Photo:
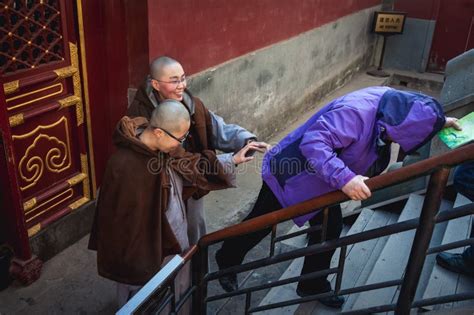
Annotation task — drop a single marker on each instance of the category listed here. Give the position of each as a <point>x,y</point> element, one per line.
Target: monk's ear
<point>155,84</point>
<point>158,132</point>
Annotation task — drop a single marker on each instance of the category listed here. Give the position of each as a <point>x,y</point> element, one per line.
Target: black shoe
<point>333,301</point>
<point>455,263</point>
<point>229,281</point>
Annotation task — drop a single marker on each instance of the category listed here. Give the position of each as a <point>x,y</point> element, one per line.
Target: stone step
<point>454,311</point>
<point>370,257</point>
<point>430,261</point>
<point>390,265</point>
<point>465,284</point>
<point>368,219</point>
<point>444,282</point>
<point>358,258</point>
<point>288,291</point>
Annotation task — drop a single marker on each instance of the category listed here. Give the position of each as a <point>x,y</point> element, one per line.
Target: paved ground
<point>69,283</point>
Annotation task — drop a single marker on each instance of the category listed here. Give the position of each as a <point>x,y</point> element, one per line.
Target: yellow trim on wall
<point>36,99</point>
<point>11,87</point>
<point>82,45</point>
<point>69,193</point>
<point>16,120</point>
<point>34,229</point>
<point>36,163</point>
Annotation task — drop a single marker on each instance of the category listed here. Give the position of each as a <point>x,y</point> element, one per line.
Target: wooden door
<point>40,68</point>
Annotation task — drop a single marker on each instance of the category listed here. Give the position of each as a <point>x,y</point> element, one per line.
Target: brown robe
<point>130,232</point>
<point>200,132</point>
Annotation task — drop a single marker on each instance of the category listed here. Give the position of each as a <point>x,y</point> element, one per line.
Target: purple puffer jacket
<point>343,139</point>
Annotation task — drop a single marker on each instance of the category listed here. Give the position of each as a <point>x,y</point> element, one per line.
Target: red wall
<point>419,9</point>
<point>107,73</point>
<point>122,37</point>
<point>137,40</point>
<point>204,33</point>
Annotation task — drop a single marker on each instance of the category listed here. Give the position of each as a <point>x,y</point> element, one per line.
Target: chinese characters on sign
<point>389,22</point>
<point>386,24</point>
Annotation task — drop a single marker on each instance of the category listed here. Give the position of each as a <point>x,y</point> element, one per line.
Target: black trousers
<point>234,250</point>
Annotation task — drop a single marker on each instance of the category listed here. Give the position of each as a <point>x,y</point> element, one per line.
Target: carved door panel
<point>39,65</point>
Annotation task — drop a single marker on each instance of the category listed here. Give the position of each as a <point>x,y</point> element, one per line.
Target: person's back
<point>347,123</point>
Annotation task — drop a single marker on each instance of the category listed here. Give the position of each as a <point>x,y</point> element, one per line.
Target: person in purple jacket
<point>343,144</point>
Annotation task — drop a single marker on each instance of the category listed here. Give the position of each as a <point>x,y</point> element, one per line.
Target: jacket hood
<point>126,133</point>
<point>409,119</point>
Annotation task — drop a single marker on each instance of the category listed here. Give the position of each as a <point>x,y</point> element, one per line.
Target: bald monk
<point>140,217</point>
<point>208,131</point>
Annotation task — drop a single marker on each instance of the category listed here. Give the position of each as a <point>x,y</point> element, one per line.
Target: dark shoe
<point>333,301</point>
<point>455,263</point>
<point>229,281</point>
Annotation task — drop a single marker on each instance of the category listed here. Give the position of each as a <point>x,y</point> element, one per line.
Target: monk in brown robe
<point>140,217</point>
<point>208,131</point>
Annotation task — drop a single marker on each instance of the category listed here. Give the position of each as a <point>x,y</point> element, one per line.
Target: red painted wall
<point>454,32</point>
<point>108,77</point>
<point>419,9</point>
<point>122,37</point>
<point>137,40</point>
<point>204,33</point>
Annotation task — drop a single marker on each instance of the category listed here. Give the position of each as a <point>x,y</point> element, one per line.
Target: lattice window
<point>30,33</point>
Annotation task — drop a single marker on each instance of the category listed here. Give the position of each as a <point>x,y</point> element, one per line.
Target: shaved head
<point>170,115</point>
<point>159,64</point>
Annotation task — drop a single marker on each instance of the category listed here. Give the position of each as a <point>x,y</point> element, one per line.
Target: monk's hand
<point>452,122</point>
<point>246,153</point>
<point>356,189</point>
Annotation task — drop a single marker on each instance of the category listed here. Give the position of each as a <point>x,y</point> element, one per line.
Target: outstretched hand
<point>356,189</point>
<point>240,157</point>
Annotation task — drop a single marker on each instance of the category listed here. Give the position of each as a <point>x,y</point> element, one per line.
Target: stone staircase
<point>443,282</point>
<point>382,259</point>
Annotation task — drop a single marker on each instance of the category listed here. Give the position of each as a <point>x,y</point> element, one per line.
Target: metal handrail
<point>162,279</point>
<point>398,176</point>
<point>437,167</point>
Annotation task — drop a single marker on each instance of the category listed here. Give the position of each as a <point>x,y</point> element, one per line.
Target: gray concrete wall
<point>265,90</point>
<point>410,50</point>
<point>459,82</point>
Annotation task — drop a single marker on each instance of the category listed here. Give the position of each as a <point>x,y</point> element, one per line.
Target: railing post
<point>200,269</point>
<point>324,229</point>
<point>422,240</point>
<point>272,242</point>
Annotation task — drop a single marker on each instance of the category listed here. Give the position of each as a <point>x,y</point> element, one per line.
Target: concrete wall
<point>459,78</point>
<point>410,50</point>
<point>266,89</point>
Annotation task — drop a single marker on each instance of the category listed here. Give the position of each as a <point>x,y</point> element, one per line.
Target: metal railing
<point>159,291</point>
<point>437,167</point>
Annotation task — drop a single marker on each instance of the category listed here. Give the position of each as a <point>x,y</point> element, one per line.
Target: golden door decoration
<point>40,64</point>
